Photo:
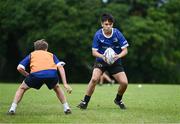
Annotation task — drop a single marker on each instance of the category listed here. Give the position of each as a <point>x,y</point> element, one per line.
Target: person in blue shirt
<point>43,70</point>
<point>104,38</point>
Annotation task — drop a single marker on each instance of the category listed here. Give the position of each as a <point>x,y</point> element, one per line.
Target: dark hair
<point>107,17</point>
<point>41,45</point>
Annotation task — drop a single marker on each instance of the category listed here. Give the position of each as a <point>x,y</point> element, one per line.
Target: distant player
<point>104,38</point>
<point>105,77</point>
<point>43,69</point>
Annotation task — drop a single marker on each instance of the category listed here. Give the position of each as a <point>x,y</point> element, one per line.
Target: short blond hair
<point>41,45</point>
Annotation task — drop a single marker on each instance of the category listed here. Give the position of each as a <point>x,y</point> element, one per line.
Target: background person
<point>105,77</point>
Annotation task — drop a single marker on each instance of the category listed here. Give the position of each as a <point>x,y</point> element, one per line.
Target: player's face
<point>107,26</point>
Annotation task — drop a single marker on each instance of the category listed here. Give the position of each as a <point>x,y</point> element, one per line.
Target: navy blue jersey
<point>116,41</point>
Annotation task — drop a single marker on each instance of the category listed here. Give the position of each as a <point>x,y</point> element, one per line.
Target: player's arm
<point>95,53</point>
<point>123,44</point>
<point>62,73</point>
<point>22,71</point>
<point>63,78</point>
<point>22,66</point>
<point>123,53</point>
<point>95,47</point>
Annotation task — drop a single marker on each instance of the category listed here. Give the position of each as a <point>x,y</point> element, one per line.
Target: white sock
<point>13,107</point>
<point>66,106</point>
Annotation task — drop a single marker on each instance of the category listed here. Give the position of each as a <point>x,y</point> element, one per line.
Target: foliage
<point>151,29</point>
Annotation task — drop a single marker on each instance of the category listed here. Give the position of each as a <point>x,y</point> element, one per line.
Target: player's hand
<point>68,88</point>
<point>104,58</point>
<point>116,57</point>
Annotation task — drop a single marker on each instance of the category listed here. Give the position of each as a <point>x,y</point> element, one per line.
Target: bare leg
<point>18,96</point>
<point>60,94</point>
<point>101,80</point>
<point>20,92</point>
<point>123,82</point>
<point>90,89</point>
<point>94,79</point>
<point>106,77</point>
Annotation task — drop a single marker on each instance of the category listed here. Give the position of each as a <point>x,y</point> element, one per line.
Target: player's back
<point>42,60</point>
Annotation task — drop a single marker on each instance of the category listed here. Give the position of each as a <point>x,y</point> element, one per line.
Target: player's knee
<point>94,79</point>
<point>22,89</point>
<point>56,87</point>
<point>124,83</point>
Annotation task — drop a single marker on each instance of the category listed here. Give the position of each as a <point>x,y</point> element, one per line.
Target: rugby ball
<point>109,54</point>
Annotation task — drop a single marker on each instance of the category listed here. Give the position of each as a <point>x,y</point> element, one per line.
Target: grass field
<point>148,104</point>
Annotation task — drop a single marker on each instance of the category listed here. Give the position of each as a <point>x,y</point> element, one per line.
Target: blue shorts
<point>36,82</point>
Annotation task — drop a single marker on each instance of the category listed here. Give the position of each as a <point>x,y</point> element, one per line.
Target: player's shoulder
<point>116,30</point>
<point>41,53</point>
<point>49,53</point>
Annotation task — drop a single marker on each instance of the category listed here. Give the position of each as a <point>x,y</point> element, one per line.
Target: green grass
<point>149,104</point>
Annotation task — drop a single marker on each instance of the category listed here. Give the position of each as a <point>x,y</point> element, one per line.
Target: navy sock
<point>87,98</point>
<point>118,97</point>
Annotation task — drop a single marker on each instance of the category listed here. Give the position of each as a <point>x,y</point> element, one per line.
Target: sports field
<point>148,104</point>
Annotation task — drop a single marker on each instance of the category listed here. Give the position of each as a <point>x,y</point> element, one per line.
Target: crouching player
<point>43,69</point>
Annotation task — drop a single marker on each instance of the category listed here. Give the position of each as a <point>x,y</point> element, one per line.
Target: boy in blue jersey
<point>104,38</point>
<point>43,69</point>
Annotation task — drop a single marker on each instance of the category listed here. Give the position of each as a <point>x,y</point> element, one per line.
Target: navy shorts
<point>35,82</point>
<point>112,69</point>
